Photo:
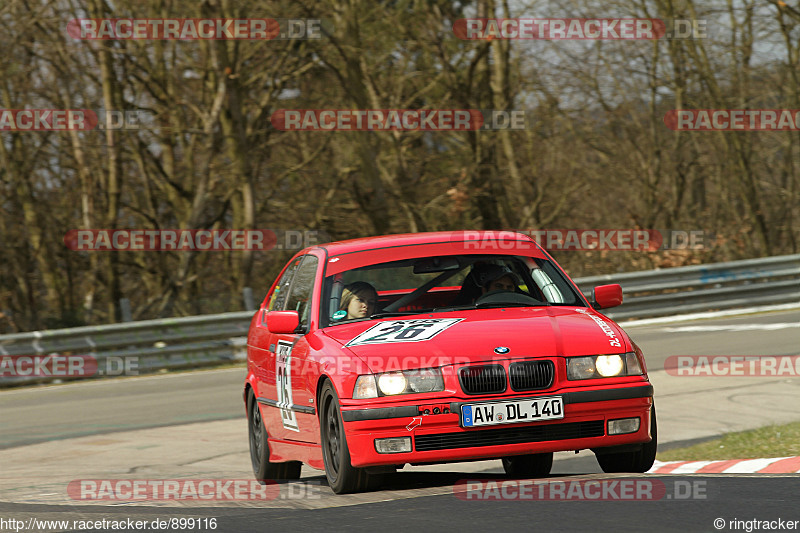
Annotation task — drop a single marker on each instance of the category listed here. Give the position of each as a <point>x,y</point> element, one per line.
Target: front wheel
<point>259,449</point>
<point>533,465</point>
<point>640,461</point>
<point>342,476</point>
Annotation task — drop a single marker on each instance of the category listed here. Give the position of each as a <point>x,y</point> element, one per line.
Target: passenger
<point>359,300</point>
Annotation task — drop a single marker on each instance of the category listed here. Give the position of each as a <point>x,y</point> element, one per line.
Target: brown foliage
<point>596,153</point>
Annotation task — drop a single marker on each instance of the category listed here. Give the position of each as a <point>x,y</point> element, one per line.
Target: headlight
<point>399,382</point>
<point>609,365</point>
<point>603,366</point>
<point>425,380</point>
<point>580,367</point>
<point>392,383</point>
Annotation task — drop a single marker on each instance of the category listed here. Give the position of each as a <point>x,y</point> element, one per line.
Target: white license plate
<point>528,410</point>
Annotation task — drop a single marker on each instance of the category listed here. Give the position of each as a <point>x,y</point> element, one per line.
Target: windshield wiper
<point>485,305</point>
<point>384,314</point>
<point>448,308</point>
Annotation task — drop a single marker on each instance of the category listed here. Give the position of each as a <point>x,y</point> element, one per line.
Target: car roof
<point>415,239</point>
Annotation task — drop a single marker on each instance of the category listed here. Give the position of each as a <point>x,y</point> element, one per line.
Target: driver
<point>497,278</point>
<point>359,300</point>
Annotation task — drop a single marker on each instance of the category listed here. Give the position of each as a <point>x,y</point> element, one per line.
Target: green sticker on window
<point>338,315</point>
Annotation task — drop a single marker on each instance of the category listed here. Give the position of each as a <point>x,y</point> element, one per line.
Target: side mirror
<point>283,322</point>
<point>605,296</point>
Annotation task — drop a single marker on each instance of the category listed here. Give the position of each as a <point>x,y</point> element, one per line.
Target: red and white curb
<point>776,465</point>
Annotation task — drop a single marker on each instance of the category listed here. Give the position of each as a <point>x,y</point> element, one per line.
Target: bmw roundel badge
<point>502,350</point>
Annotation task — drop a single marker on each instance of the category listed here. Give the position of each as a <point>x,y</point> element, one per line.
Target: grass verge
<point>769,441</point>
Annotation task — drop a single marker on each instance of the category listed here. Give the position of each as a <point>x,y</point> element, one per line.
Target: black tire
<point>259,449</point>
<point>533,465</point>
<point>634,462</point>
<point>342,476</point>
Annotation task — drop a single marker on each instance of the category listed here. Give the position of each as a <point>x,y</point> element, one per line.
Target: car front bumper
<point>441,438</point>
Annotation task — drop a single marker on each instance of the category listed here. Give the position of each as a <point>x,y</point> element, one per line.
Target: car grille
<point>486,379</point>
<point>531,375</point>
<point>510,435</point>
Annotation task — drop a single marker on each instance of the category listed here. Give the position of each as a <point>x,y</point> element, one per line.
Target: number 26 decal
<point>412,330</point>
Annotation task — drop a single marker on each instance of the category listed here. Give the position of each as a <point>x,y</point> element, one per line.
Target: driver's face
<point>504,283</point>
<point>361,306</point>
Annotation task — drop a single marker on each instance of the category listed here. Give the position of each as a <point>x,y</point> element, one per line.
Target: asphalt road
<point>708,498</point>
<point>45,413</point>
<point>758,334</point>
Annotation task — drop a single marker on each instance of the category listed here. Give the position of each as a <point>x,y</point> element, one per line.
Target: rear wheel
<point>533,465</point>
<point>640,461</point>
<point>259,449</point>
<point>342,476</point>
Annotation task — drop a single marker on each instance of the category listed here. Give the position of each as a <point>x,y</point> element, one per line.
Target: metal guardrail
<point>166,343</point>
<point>213,339</point>
<point>772,280</point>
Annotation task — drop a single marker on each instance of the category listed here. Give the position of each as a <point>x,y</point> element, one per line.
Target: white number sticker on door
<point>413,330</point>
<point>283,376</point>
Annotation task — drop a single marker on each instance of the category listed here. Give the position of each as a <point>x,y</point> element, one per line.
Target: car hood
<point>474,336</point>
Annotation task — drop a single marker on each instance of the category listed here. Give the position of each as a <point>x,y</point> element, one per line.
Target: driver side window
<point>302,289</point>
<point>278,299</point>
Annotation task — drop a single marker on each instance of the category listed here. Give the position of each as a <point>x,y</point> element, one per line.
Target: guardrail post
<point>247,297</point>
<point>125,310</point>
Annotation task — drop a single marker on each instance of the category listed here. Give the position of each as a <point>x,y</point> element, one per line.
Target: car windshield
<point>443,284</point>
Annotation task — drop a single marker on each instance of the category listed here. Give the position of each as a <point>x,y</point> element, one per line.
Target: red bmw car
<point>370,354</point>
